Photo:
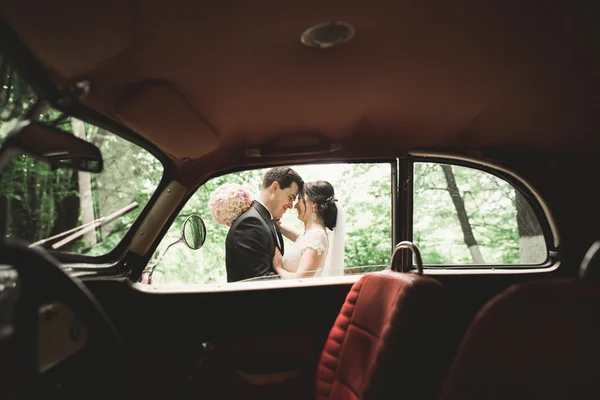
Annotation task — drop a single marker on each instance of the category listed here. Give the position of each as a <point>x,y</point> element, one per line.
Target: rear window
<point>466,216</point>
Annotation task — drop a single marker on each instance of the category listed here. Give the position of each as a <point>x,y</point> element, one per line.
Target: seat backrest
<point>538,340</point>
<point>392,338</point>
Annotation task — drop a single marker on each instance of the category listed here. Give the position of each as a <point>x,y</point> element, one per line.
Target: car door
<point>263,339</point>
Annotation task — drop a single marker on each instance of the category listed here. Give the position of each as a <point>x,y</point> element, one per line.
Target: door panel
<point>276,365</point>
<point>263,333</point>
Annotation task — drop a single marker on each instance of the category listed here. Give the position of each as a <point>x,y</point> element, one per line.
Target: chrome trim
<point>411,246</point>
<point>165,289</point>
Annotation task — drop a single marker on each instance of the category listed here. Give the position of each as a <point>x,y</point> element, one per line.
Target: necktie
<point>276,231</point>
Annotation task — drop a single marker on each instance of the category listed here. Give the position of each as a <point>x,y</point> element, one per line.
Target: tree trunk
<point>532,248</point>
<point>461,212</point>
<point>67,211</point>
<point>86,203</point>
<point>34,209</point>
<point>4,215</point>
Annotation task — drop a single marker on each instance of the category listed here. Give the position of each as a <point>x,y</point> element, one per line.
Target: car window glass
<point>363,189</point>
<point>65,210</point>
<point>38,203</point>
<point>465,216</point>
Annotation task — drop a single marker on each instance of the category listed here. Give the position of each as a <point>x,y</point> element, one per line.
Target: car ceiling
<point>200,78</point>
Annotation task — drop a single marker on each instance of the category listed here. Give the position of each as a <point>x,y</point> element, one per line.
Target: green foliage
<point>34,189</point>
<point>37,202</point>
<point>491,211</point>
<point>366,193</point>
<point>206,265</point>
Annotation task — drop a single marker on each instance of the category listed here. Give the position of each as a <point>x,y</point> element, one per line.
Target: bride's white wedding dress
<point>313,238</point>
<point>331,244</point>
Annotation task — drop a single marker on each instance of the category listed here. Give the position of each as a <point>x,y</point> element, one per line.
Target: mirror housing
<point>193,232</point>
<point>60,149</point>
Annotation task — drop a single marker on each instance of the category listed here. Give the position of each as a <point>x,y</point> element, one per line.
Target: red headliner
<point>194,77</point>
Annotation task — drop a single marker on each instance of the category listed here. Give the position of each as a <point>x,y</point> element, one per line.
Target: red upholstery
<point>533,341</point>
<point>392,332</point>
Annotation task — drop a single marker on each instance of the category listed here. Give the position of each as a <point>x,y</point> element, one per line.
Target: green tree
<point>37,202</point>
<point>461,213</point>
<point>480,211</point>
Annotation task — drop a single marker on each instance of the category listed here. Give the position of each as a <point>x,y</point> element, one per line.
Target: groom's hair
<point>284,175</point>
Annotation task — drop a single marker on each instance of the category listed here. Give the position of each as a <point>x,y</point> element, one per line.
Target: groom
<point>253,236</point>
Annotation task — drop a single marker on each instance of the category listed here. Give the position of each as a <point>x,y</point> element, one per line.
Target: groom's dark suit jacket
<point>250,244</point>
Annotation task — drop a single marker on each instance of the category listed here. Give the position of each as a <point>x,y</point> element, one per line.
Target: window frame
<point>393,162</point>
<point>401,220</point>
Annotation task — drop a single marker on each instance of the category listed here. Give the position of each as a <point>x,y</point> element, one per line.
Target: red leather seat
<point>392,339</point>
<point>533,341</point>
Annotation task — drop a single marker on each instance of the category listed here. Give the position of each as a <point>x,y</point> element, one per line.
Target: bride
<point>314,252</point>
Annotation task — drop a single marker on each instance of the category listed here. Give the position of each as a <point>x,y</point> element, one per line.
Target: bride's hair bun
<point>322,194</point>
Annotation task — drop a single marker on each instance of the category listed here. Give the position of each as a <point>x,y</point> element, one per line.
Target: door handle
<point>207,347</point>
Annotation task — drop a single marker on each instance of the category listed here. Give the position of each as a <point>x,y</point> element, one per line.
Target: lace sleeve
<point>316,240</point>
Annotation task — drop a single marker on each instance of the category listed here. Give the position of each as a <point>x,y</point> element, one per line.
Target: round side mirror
<point>194,232</point>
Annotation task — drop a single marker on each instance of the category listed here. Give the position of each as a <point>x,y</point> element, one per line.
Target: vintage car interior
<point>466,122</point>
